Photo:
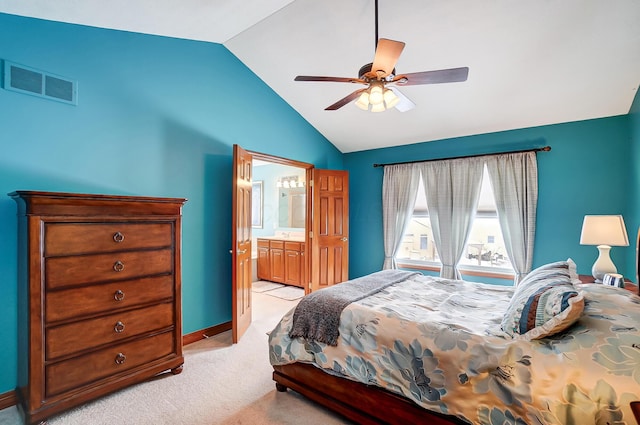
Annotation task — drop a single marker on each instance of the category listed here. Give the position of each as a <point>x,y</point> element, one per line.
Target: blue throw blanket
<point>317,316</point>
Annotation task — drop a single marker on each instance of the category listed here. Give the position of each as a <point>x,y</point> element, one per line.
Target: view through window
<point>485,248</point>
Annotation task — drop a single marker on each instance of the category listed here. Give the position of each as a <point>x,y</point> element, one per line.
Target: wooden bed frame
<point>364,404</point>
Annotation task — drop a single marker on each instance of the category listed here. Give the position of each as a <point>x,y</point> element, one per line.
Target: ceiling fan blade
<point>339,104</point>
<point>453,75</point>
<point>405,104</point>
<point>329,79</point>
<point>387,54</point>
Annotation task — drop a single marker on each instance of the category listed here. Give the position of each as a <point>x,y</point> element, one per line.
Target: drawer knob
<point>118,295</point>
<point>118,237</point>
<point>118,266</point>
<point>120,358</point>
<point>119,327</point>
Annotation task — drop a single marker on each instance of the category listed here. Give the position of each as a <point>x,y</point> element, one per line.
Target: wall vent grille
<point>23,79</point>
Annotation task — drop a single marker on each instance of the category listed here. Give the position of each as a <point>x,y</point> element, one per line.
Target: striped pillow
<point>545,302</point>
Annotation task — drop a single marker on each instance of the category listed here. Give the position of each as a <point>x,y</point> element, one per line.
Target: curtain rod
<point>543,149</point>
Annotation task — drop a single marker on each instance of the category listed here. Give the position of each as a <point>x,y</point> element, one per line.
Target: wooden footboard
<point>364,404</point>
<point>635,408</point>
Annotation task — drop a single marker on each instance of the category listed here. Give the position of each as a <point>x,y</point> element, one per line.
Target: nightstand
<point>628,285</point>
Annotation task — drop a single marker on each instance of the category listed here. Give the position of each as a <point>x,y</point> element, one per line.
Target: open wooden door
<point>330,228</point>
<point>241,237</point>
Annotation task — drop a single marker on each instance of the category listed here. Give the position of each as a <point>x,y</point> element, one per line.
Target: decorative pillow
<point>545,302</point>
<point>565,268</point>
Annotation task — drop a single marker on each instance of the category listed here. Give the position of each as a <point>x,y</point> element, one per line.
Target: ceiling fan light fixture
<point>382,71</point>
<point>378,107</point>
<point>376,96</point>
<point>390,98</point>
<point>363,101</point>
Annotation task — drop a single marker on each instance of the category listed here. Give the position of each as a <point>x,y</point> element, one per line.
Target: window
<point>485,250</point>
<point>424,241</point>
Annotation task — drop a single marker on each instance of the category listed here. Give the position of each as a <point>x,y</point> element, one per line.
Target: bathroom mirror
<point>292,207</point>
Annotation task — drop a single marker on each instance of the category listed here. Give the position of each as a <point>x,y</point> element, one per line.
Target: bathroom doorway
<point>279,215</point>
<point>325,233</point>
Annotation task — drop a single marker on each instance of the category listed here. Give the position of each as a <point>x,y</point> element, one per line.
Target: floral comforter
<point>438,342</point>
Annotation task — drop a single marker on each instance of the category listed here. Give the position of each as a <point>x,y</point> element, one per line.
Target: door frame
<point>309,220</point>
<point>308,207</point>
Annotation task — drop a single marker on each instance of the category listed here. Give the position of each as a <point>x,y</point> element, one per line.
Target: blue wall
<point>587,171</point>
<point>156,117</point>
<point>633,226</point>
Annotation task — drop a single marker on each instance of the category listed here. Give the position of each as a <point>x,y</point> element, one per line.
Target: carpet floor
<point>222,383</point>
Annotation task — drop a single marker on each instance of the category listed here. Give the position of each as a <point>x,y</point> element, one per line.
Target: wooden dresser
<point>99,296</point>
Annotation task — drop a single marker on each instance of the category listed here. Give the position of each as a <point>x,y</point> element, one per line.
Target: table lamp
<point>604,231</point>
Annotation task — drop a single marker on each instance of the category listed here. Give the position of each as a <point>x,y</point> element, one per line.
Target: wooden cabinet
<point>276,261</point>
<point>293,265</point>
<point>264,266</point>
<point>99,296</point>
<point>281,261</point>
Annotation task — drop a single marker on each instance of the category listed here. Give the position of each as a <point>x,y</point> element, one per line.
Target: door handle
<point>344,239</point>
<point>240,251</point>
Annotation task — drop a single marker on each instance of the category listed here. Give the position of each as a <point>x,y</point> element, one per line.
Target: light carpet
<point>222,383</point>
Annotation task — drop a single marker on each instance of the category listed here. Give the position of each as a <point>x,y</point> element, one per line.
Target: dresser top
<point>60,203</point>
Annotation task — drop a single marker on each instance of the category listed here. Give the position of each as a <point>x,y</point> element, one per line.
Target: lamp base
<point>603,264</point>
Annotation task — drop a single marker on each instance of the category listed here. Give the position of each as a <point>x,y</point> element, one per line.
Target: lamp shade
<point>375,95</point>
<point>604,230</point>
<point>390,98</point>
<point>363,101</point>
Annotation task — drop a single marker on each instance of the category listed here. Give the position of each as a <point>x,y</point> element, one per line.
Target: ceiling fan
<point>381,79</point>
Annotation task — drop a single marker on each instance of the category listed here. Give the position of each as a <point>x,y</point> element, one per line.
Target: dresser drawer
<point>81,302</point>
<point>83,238</point>
<point>77,270</point>
<point>120,358</point>
<point>83,335</point>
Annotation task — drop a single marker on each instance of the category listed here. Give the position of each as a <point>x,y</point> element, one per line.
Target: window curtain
<point>452,189</point>
<point>399,189</point>
<point>514,179</point>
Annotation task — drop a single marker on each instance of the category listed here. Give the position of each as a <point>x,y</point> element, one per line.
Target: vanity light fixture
<point>289,182</point>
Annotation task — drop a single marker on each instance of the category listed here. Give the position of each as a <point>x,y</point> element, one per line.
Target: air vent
<point>22,79</point>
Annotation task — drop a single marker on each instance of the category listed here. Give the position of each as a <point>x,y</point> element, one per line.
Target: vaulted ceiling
<point>530,63</point>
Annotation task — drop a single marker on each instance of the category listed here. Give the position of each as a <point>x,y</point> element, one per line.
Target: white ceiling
<point>531,62</point>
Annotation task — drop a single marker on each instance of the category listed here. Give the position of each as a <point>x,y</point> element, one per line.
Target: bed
<point>420,349</point>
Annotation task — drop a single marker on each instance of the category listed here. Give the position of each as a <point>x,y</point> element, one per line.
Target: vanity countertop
<point>282,238</point>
